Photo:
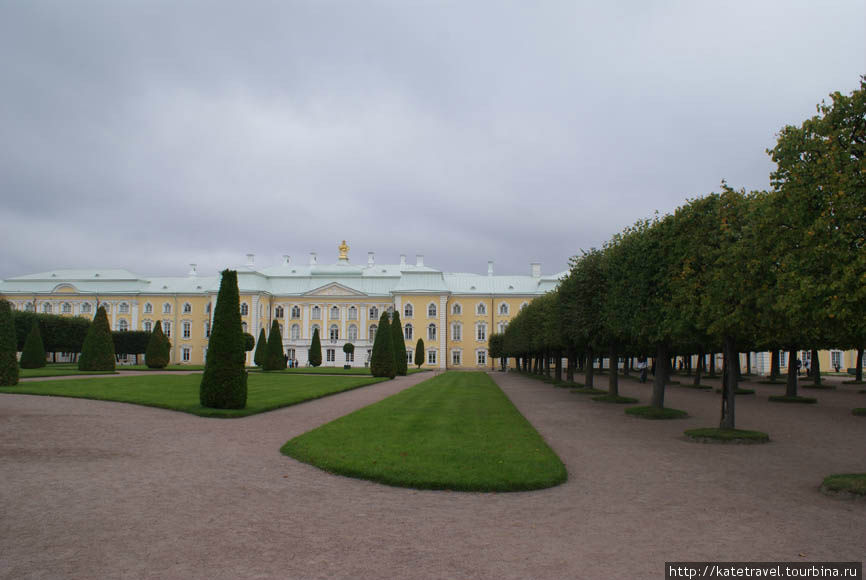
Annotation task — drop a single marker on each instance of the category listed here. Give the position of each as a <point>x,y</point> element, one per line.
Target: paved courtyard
<point>92,489</point>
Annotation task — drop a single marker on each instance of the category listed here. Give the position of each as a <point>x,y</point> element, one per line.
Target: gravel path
<point>90,489</point>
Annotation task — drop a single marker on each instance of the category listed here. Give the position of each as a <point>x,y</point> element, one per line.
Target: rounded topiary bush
<point>657,413</point>
<point>717,435</point>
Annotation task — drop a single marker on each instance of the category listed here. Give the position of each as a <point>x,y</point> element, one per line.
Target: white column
<point>362,321</point>
<point>344,313</point>
<point>443,300</point>
<point>305,322</point>
<point>134,315</point>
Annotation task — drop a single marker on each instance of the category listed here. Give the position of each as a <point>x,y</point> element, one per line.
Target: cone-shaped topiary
<point>33,355</point>
<point>399,345</point>
<point>8,347</point>
<point>97,352</point>
<point>224,382</point>
<point>419,353</point>
<point>158,351</point>
<point>382,357</point>
<point>275,360</point>
<point>315,357</point>
<point>261,349</point>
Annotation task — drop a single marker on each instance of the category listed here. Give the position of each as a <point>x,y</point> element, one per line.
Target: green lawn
<point>180,392</point>
<point>364,371</point>
<point>455,431</point>
<point>51,371</point>
<point>167,368</point>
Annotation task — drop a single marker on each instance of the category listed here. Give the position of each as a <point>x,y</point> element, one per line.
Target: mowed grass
<point>456,431</point>
<point>55,372</point>
<point>265,392</point>
<point>365,371</point>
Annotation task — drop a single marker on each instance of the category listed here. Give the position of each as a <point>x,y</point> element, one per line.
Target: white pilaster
<point>134,307</point>
<point>442,336</point>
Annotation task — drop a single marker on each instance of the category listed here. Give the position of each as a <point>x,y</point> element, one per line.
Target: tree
<point>496,345</point>
<point>315,356</point>
<point>382,358</point>
<point>224,381</point>
<point>8,349</point>
<point>158,352</point>
<point>419,353</point>
<point>261,349</point>
<point>97,352</point>
<point>399,345</point>
<point>134,342</point>
<point>275,359</point>
<point>33,355</point>
<point>249,342</point>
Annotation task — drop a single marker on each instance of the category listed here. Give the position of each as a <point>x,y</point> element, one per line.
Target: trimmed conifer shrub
<point>97,352</point>
<point>315,356</point>
<point>33,355</point>
<point>382,357</point>
<point>275,360</point>
<point>224,381</point>
<point>8,347</point>
<point>261,349</point>
<point>399,345</point>
<point>158,351</point>
<point>419,353</point>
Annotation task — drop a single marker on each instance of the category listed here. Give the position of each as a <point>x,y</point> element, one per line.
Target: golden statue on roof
<point>344,251</point>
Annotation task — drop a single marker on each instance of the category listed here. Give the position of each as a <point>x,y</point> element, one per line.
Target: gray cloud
<point>151,135</point>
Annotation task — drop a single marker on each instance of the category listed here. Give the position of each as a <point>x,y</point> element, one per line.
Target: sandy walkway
<point>95,490</point>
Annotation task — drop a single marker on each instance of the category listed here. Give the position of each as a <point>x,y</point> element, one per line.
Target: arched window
<point>374,313</point>
<point>296,332</point>
<point>166,308</point>
<point>245,309</point>
<point>456,331</point>
<point>372,332</point>
<point>353,332</point>
<point>30,308</point>
<point>335,313</point>
<point>86,308</point>
<point>46,308</point>
<point>456,308</point>
<point>166,328</point>
<point>187,308</point>
<point>502,327</point>
<point>334,332</point>
<point>66,308</point>
<point>278,312</point>
<point>410,356</point>
<point>407,332</point>
<point>122,325</point>
<point>296,311</point>
<point>481,331</point>
<point>243,326</point>
<point>186,329</point>
<point>106,306</point>
<point>408,311</point>
<point>353,313</point>
<point>148,308</point>
<point>148,326</point>
<point>123,308</point>
<point>431,310</point>
<point>503,309</point>
<point>431,332</point>
<point>317,313</point>
<point>481,309</point>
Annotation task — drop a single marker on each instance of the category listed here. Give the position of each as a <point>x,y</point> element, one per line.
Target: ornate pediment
<point>334,289</point>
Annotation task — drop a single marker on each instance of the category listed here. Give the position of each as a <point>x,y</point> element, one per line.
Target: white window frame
<point>374,313</point>
<point>410,356</point>
<point>186,329</point>
<point>122,325</point>
<point>335,313</point>
<point>456,331</point>
<point>408,310</point>
<point>481,331</point>
<point>481,309</point>
<point>185,354</point>
<point>316,312</point>
<point>245,309</point>
<point>86,307</point>
<point>432,310</point>
<point>431,357</point>
<point>66,308</point>
<point>330,355</point>
<point>481,357</point>
<point>296,312</point>
<point>371,332</point>
<point>279,312</point>
<point>148,308</point>
<point>187,308</point>
<point>353,313</point>
<point>431,331</point>
<point>147,326</point>
<point>456,309</point>
<point>457,358</point>
<point>166,328</point>
<point>352,332</point>
<point>504,309</point>
<point>296,332</point>
<point>166,308</point>
<point>334,332</point>
<point>408,331</point>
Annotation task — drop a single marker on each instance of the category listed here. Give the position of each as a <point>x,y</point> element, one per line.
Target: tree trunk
<point>774,365</point>
<point>613,377</point>
<point>858,364</point>
<point>729,387</point>
<point>626,366</point>
<point>815,367</point>
<point>699,367</point>
<point>791,387</point>
<point>590,370</point>
<point>557,376</point>
<point>748,363</point>
<point>712,365</point>
<point>572,359</point>
<point>660,378</point>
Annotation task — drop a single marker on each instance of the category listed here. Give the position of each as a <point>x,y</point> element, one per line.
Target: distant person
<point>799,365</point>
<point>642,367</point>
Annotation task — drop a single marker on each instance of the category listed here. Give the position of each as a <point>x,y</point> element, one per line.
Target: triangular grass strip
<point>456,431</point>
<point>845,483</point>
<point>717,435</point>
<point>588,391</point>
<point>615,399</point>
<point>656,413</point>
<point>267,391</point>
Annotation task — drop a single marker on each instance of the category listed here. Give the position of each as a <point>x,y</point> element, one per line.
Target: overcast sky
<point>149,135</point>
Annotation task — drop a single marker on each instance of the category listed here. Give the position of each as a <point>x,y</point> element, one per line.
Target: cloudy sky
<point>148,135</point>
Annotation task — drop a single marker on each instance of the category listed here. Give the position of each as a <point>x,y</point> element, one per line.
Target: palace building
<point>454,313</point>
